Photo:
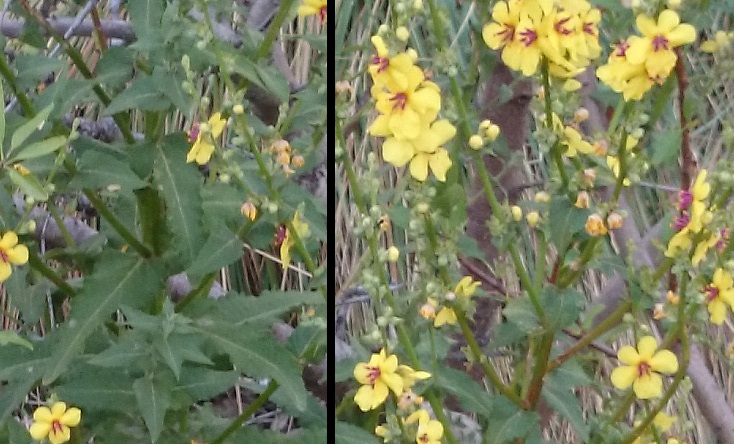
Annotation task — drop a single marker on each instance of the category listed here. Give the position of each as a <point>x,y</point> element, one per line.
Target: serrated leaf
<point>259,356</point>
<point>142,94</point>
<point>565,220</point>
<point>146,18</point>
<point>221,249</point>
<point>115,67</point>
<point>117,279</point>
<point>520,312</point>
<point>562,307</point>
<point>121,354</point>
<point>181,183</point>
<point>202,383</point>
<point>28,184</point>
<point>38,149</point>
<point>24,131</point>
<point>99,389</point>
<point>472,396</point>
<point>8,337</point>
<point>345,433</point>
<point>97,170</point>
<point>170,355</point>
<point>241,310</point>
<point>222,202</point>
<point>153,395</point>
<point>509,422</point>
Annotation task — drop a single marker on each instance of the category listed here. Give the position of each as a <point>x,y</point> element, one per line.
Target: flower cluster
<point>642,368</point>
<point>562,32</point>
<point>408,106</point>
<point>381,375</point>
<point>638,62</point>
<point>691,222</point>
<point>446,315</point>
<point>11,253</point>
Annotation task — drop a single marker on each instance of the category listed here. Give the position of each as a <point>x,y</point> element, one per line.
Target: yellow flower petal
<point>43,414</point>
<point>628,355</point>
<point>39,430</point>
<point>397,152</point>
<point>440,164</point>
<point>717,311</point>
<point>648,386</point>
<point>624,376</point>
<point>664,361</point>
<point>419,167</point>
<point>646,347</point>
<point>60,436</point>
<point>18,255</point>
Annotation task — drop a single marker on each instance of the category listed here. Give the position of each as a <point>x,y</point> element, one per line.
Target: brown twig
<point>688,161</point>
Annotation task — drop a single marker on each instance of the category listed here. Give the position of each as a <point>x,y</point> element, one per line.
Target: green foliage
<point>94,319</point>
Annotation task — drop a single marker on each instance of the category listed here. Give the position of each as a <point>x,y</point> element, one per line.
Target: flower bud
<point>589,176</point>
<point>402,33</point>
<point>581,115</point>
<point>476,142</point>
<point>413,54</point>
<point>297,161</point>
<point>249,210</point>
<point>582,200</point>
<point>393,254</point>
<point>542,197</point>
<point>516,213</point>
<point>492,132</point>
<point>615,220</point>
<point>343,87</point>
<point>533,217</point>
<point>595,225</point>
<point>238,109</point>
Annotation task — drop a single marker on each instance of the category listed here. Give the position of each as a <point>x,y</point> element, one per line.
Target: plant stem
<point>249,411</point>
<point>40,266</point>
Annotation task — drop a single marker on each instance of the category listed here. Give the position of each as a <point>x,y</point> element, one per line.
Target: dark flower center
<point>528,36</point>
<point>659,42</point>
<point>381,62</point>
<point>400,100</point>
<point>621,48</point>
<point>560,26</point>
<point>507,34</point>
<point>643,369</point>
<point>56,427</point>
<point>684,199</point>
<point>374,374</point>
<point>681,221</point>
<point>712,292</point>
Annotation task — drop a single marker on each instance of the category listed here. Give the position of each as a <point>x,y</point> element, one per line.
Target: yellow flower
<point>11,253</point>
<point>302,231</point>
<point>582,200</point>
<point>313,7</point>
<point>720,42</point>
<point>655,48</point>
<point>613,164</point>
<point>595,225</point>
<point>390,71</point>
<point>466,287</point>
<point>643,367</point>
<point>379,377</point>
<point>54,423</point>
<point>404,112</point>
<point>203,148</point>
<point>410,376</point>
<point>630,79</point>
<point>661,422</point>
<point>249,210</point>
<point>423,151</point>
<point>429,431</point>
<point>574,142</point>
<point>719,294</point>
<point>615,220</point>
<point>445,316</point>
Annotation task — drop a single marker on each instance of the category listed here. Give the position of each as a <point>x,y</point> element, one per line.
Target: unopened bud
<point>516,213</point>
<point>542,197</point>
<point>476,142</point>
<point>249,210</point>
<point>297,161</point>
<point>615,221</point>
<point>533,217</point>
<point>238,109</point>
<point>393,254</point>
<point>581,115</point>
<point>582,200</point>
<point>402,33</point>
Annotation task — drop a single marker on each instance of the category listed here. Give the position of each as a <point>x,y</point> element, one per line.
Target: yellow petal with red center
<point>623,377</point>
<point>646,347</point>
<point>362,373</point>
<point>628,355</point>
<point>664,361</point>
<point>40,430</point>
<point>419,167</point>
<point>18,255</point>
<point>440,164</point>
<point>648,386</point>
<point>397,152</point>
<point>60,436</point>
<point>717,311</point>
<point>8,241</point>
<point>495,35</point>
<point>681,35</point>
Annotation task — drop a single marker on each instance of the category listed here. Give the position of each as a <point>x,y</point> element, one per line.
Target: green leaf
<point>121,354</point>
<point>146,18</point>
<point>472,396</point>
<point>202,383</point>
<point>250,311</point>
<point>98,389</point>
<point>509,422</point>
<point>180,183</point>
<point>2,117</point>
<point>33,68</point>
<point>115,67</point>
<point>38,149</point>
<point>10,337</point>
<point>170,355</point>
<point>14,394</point>
<point>520,312</point>
<point>565,220</point>
<point>100,170</point>
<point>222,202</point>
<point>28,184</point>
<point>566,403</point>
<point>154,396</point>
<point>665,147</point>
<point>221,249</point>
<point>117,279</point>
<point>169,83</point>
<point>25,130</point>
<point>350,434</point>
<point>562,307</point>
<point>142,94</point>
<point>257,355</point>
